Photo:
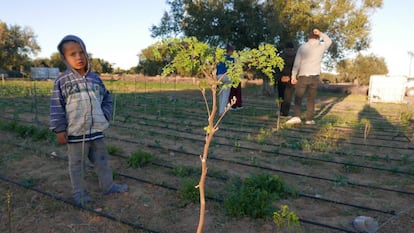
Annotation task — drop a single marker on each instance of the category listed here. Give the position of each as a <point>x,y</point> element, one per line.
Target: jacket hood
<point>75,39</point>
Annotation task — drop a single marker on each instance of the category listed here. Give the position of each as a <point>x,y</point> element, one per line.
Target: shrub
<point>255,195</point>
<point>139,159</point>
<point>114,150</point>
<point>188,191</point>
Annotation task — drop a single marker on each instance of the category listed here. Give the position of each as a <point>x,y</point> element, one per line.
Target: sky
<point>117,31</point>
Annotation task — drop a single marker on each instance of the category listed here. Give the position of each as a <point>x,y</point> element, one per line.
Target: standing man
<point>306,72</point>
<point>284,86</point>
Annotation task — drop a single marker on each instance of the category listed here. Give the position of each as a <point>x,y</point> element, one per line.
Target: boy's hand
<point>293,80</point>
<point>62,138</point>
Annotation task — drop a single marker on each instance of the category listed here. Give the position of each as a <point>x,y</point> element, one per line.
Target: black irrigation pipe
<point>320,160</point>
<point>392,212</point>
<point>237,129</point>
<point>221,200</point>
<point>266,168</point>
<point>212,198</point>
<point>295,137</point>
<point>266,108</point>
<point>274,109</point>
<point>138,226</point>
<point>281,153</point>
<point>287,172</point>
<point>57,198</point>
<point>352,143</point>
<point>275,170</point>
<point>377,136</point>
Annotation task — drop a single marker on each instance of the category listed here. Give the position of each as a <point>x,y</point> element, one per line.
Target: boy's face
<point>75,56</point>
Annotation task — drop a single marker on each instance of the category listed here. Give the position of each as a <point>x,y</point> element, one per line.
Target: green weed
<point>286,220</point>
<point>114,150</point>
<point>28,182</point>
<point>139,159</point>
<point>349,168</point>
<point>341,180</point>
<point>254,196</point>
<point>183,171</point>
<point>188,191</point>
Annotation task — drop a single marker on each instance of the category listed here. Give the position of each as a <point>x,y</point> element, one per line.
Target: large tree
<point>16,46</point>
<point>361,68</point>
<point>249,23</point>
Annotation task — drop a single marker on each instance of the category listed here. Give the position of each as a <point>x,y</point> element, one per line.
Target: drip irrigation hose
<point>221,200</point>
<point>140,226</point>
<point>286,154</point>
<point>57,198</point>
<point>237,130</point>
<point>273,110</point>
<point>266,168</point>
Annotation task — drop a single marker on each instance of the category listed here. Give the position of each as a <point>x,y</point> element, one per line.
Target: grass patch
<point>188,192</point>
<point>114,150</point>
<point>139,159</point>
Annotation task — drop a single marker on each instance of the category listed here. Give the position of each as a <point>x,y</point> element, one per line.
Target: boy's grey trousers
<point>96,152</point>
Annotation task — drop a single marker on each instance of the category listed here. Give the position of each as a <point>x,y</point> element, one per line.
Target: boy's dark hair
<point>60,47</point>
<point>229,47</point>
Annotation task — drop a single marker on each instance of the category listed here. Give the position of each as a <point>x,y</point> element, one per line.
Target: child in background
<point>80,110</point>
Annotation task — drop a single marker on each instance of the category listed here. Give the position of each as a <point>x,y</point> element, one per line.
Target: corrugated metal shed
<point>44,73</point>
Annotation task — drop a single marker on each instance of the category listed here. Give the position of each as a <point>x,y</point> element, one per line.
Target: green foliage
<point>361,68</point>
<point>263,135</point>
<point>188,191</point>
<point>101,66</point>
<point>255,195</point>
<point>341,180</point>
<point>250,23</point>
<point>405,117</point>
<point>28,182</point>
<point>263,60</point>
<point>139,159</point>
<point>26,131</point>
<point>190,57</point>
<point>183,171</point>
<point>286,219</point>
<point>349,168</point>
<point>229,21</point>
<point>16,46</point>
<point>314,144</point>
<point>114,150</point>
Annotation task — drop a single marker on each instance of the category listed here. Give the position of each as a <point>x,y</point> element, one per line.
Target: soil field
<point>356,161</point>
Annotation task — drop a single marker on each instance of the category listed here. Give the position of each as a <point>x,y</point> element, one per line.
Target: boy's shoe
<point>311,122</point>
<point>294,120</point>
<point>117,188</point>
<point>81,198</point>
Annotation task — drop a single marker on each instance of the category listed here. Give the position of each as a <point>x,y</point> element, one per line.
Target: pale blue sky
<point>117,31</point>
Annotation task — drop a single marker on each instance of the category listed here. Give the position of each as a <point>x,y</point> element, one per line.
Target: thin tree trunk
<point>203,158</point>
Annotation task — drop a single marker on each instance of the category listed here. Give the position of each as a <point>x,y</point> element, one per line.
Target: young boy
<point>80,110</point>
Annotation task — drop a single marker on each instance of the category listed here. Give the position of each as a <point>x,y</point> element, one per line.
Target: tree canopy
<point>249,23</point>
<point>361,68</point>
<point>16,46</point>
